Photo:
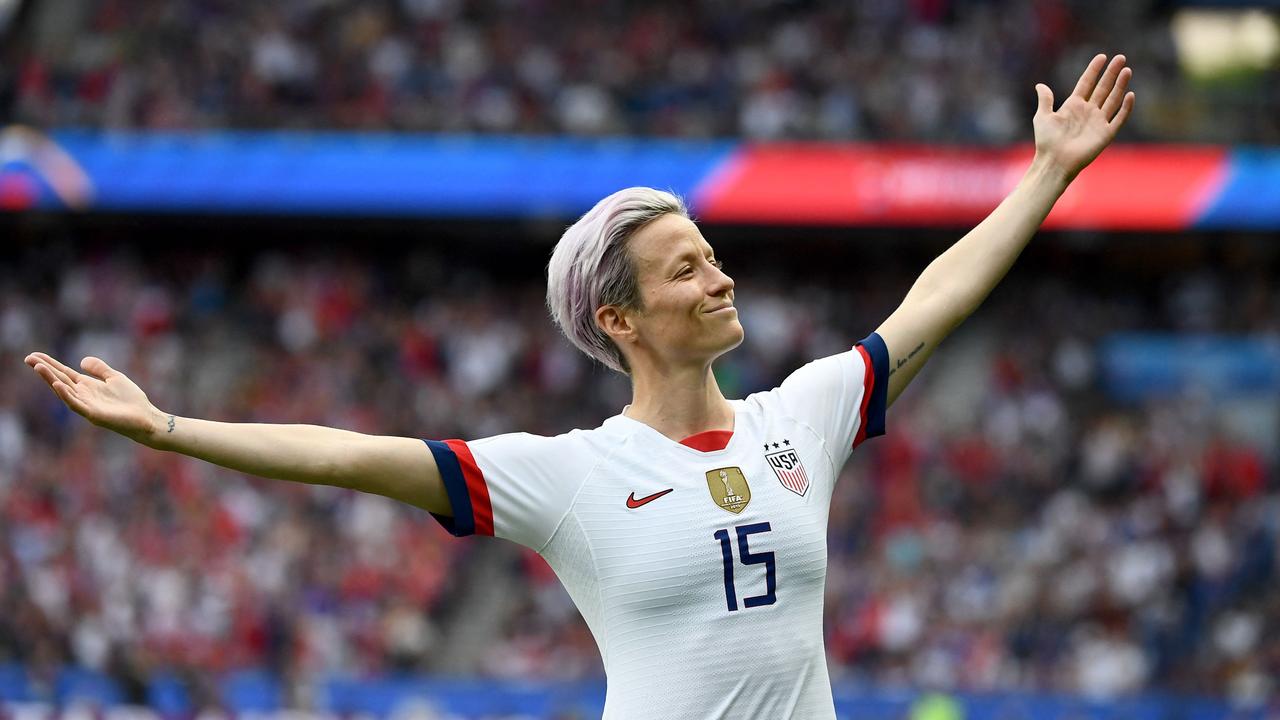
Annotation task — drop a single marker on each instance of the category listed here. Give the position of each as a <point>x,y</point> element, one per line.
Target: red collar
<point>709,441</point>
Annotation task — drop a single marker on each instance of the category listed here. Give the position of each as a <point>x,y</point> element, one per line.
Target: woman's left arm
<point>957,282</point>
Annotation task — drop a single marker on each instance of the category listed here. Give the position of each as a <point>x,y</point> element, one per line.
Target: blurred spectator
<point>949,71</point>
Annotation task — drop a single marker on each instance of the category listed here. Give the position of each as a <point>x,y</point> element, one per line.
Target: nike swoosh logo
<point>633,503</point>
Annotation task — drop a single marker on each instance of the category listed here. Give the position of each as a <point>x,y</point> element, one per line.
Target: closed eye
<point>688,269</point>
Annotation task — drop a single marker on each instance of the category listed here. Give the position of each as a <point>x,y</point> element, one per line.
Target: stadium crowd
<point>926,70</point>
<point>1034,536</point>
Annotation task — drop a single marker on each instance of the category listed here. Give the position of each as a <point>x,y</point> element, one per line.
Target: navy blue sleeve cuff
<point>463,522</point>
<point>875,347</point>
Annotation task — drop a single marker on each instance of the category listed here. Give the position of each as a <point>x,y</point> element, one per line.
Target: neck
<point>679,404</point>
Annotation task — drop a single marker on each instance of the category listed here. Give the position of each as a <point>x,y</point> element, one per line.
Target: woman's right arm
<point>399,468</point>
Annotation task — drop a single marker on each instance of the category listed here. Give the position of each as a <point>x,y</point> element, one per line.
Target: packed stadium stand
<point>926,70</point>
<point>1016,529</point>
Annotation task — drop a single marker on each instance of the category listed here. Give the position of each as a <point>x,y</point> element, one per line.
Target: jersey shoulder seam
<point>821,441</point>
<point>574,500</point>
<point>844,390</point>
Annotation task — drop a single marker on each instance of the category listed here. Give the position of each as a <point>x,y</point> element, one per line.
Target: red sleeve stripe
<point>477,489</point>
<point>868,384</point>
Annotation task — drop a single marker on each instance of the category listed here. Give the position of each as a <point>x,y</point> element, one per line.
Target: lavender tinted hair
<point>591,267</point>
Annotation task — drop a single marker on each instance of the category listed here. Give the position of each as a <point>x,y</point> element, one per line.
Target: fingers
<point>1117,94</point>
<point>72,377</point>
<point>1084,88</point>
<point>1108,83</point>
<point>65,391</point>
<point>97,368</point>
<point>68,395</point>
<point>52,375</point>
<point>1045,95</point>
<point>1126,107</point>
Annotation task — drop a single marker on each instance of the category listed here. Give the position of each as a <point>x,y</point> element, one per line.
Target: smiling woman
<point>634,285</point>
<point>689,529</point>
<point>591,267</point>
<point>684,321</point>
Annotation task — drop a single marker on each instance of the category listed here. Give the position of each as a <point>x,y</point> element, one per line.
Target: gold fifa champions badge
<point>729,488</point>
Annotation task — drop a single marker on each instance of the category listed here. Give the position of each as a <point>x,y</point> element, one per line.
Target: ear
<point>616,323</point>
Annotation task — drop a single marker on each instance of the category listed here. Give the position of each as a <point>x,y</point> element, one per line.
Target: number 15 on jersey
<point>748,558</point>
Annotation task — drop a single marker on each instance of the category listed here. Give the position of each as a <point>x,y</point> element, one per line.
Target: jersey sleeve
<point>517,486</point>
<point>843,396</point>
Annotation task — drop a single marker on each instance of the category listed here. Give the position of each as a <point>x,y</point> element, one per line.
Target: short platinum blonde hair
<point>590,268</point>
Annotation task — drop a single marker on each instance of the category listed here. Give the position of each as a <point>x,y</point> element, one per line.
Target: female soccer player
<point>689,529</point>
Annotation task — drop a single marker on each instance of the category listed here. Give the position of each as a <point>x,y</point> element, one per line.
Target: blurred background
<point>338,212</point>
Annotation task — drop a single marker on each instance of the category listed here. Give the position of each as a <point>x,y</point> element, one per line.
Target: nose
<point>721,283</point>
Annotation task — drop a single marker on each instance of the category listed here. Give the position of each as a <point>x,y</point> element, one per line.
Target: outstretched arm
<point>399,468</point>
<point>957,282</point>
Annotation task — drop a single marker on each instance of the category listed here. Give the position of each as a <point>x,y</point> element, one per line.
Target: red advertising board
<point>1128,187</point>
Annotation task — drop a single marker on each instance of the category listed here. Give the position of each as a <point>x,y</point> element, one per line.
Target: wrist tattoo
<point>170,423</point>
<point>903,361</point>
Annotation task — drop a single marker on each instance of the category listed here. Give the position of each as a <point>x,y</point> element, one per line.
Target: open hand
<point>1071,137</point>
<point>102,395</point>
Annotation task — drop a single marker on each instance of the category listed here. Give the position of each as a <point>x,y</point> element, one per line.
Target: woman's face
<point>688,313</point>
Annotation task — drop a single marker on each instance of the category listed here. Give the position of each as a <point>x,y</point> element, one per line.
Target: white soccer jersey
<point>700,573</point>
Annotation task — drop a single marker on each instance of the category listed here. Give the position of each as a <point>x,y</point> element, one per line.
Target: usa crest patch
<point>790,471</point>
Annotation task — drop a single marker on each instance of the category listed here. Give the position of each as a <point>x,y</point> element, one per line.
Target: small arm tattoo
<point>905,360</point>
<point>171,419</point>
